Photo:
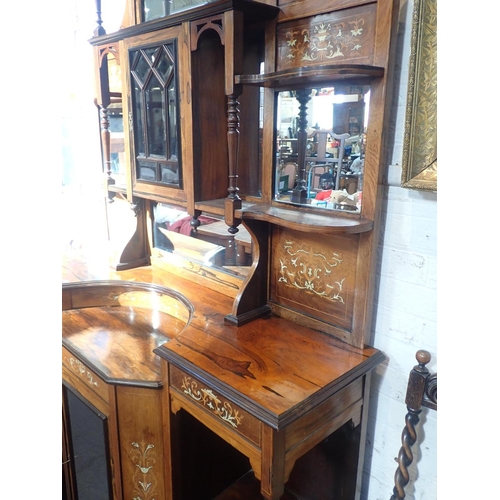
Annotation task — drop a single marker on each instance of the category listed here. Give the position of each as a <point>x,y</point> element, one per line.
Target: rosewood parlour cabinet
<point>261,387</point>
<point>112,387</point>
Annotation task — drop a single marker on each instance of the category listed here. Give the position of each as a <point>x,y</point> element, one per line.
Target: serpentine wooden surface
<point>277,370</point>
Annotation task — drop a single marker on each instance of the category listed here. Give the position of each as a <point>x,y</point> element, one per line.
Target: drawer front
<point>217,406</point>
<point>83,379</point>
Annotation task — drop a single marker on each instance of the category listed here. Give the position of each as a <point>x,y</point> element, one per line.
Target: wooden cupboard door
<point>158,133</point>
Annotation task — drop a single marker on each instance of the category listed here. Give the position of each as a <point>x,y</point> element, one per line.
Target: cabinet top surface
<point>272,367</point>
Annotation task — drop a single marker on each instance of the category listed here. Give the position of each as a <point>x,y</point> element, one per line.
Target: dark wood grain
<point>279,368</point>
<point>309,76</point>
<point>118,344</point>
<point>303,220</point>
<point>278,373</point>
<point>269,369</point>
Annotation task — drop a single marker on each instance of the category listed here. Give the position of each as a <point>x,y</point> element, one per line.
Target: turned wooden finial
<point>414,399</point>
<point>423,357</point>
<point>99,30</point>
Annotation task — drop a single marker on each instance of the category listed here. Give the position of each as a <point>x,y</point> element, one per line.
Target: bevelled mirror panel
<point>210,245</point>
<point>156,9</point>
<point>329,124</point>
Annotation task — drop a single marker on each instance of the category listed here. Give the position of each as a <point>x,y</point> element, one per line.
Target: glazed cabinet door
<point>86,453</point>
<point>156,76</point>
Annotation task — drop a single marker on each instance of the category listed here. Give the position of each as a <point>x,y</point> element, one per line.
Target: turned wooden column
<point>233,57</point>
<point>103,101</point>
<point>106,143</point>
<point>233,201</point>
<point>299,193</point>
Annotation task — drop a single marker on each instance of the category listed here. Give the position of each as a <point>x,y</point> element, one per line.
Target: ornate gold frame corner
<point>420,137</point>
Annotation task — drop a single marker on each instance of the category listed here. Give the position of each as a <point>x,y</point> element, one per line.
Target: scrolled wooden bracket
<point>136,253</point>
<point>421,391</point>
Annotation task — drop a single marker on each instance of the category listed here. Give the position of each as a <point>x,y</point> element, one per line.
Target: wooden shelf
<point>117,188</point>
<point>296,78</point>
<point>216,207</point>
<point>306,221</point>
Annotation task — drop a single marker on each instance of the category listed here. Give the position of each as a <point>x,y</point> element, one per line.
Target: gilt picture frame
<point>420,137</point>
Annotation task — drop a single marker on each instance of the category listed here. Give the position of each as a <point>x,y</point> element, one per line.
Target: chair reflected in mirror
<point>327,158</point>
<point>286,178</point>
<point>320,178</point>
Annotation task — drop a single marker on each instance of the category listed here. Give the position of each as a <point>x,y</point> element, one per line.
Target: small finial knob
<point>423,357</point>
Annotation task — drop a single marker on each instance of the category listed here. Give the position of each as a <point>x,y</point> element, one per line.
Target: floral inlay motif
<point>144,458</point>
<point>223,410</point>
<point>78,367</point>
<point>325,41</point>
<point>308,269</point>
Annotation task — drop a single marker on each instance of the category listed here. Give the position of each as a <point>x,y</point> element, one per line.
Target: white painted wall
<point>405,314</point>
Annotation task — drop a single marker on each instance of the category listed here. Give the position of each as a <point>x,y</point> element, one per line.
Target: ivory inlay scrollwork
<point>206,397</point>
<point>79,368</point>
<point>325,41</point>
<point>307,269</point>
<point>145,482</point>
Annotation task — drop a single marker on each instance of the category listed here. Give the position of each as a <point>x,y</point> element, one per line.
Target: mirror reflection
<point>210,244</point>
<point>320,147</point>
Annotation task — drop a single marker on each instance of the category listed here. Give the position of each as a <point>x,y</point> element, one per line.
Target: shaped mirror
<point>320,146</point>
<point>210,244</point>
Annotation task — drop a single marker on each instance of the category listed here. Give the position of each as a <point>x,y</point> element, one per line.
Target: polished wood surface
<point>296,22</point>
<point>264,364</point>
<point>118,344</point>
<point>255,359</point>
<point>109,331</point>
<point>271,388</point>
<point>306,221</point>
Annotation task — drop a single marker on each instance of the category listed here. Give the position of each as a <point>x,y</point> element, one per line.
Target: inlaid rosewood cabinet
<point>156,362</point>
<point>109,332</point>
<point>241,381</point>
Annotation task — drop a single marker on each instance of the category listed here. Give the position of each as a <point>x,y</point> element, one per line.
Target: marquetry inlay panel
<point>143,456</point>
<point>215,404</point>
<point>83,378</point>
<point>344,37</point>
<point>315,275</point>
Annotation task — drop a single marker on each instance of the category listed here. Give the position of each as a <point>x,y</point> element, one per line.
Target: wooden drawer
<point>85,381</point>
<point>217,406</point>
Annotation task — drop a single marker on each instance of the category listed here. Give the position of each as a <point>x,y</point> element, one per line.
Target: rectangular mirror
<point>333,121</point>
<point>156,9</point>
